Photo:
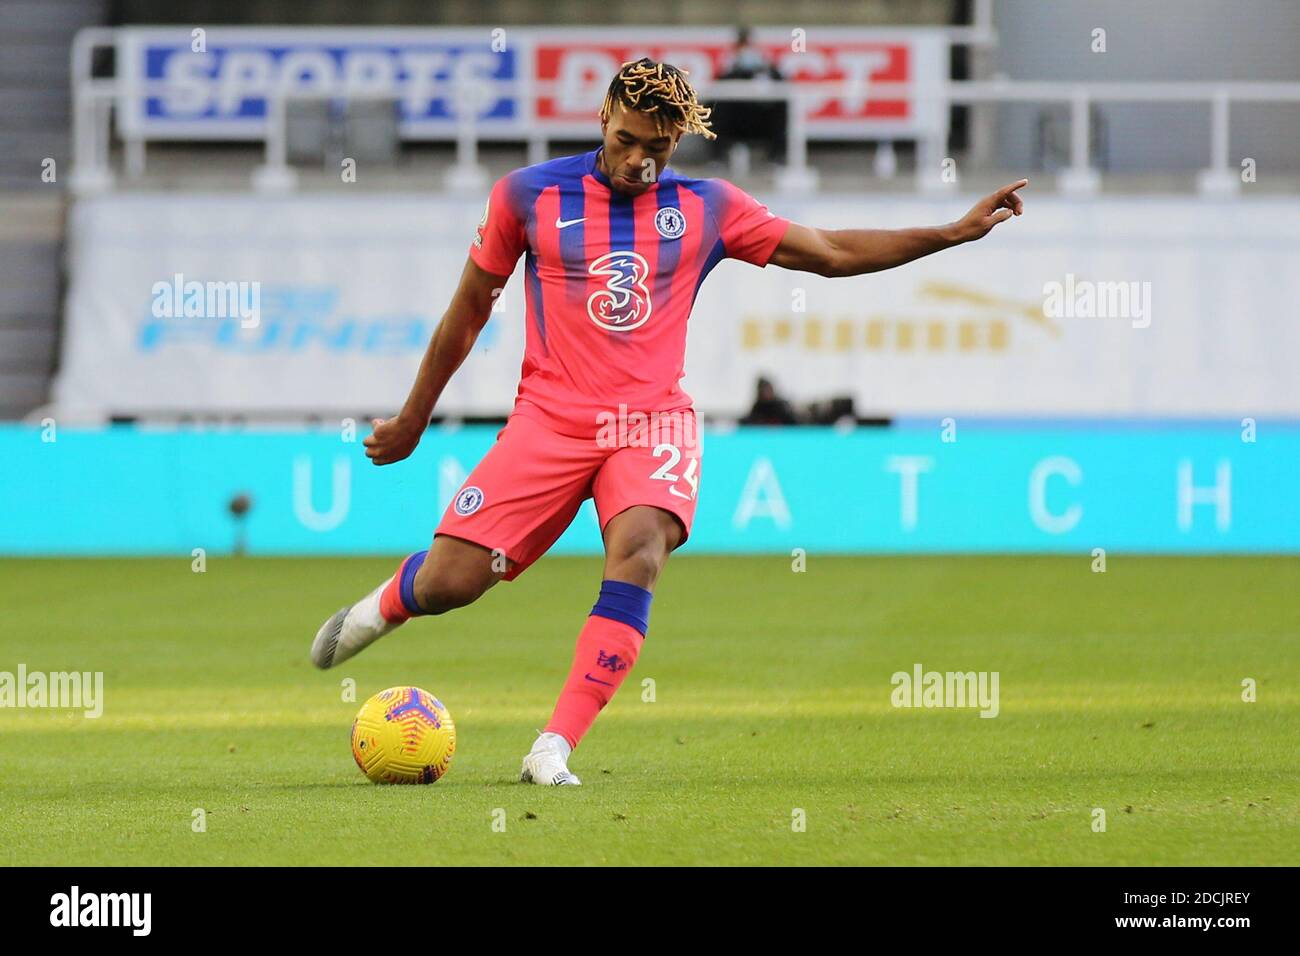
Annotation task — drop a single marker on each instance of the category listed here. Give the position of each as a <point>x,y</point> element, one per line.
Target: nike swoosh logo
<point>597,680</point>
<point>561,223</point>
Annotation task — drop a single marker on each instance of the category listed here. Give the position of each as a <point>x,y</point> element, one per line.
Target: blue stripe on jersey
<point>670,250</point>
<point>622,238</point>
<point>525,186</point>
<point>622,233</point>
<point>528,183</point>
<point>711,196</point>
<point>716,255</point>
<point>534,282</point>
<point>520,197</point>
<point>566,169</point>
<point>573,239</point>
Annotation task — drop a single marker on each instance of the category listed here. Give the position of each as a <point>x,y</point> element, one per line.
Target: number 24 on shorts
<point>665,471</point>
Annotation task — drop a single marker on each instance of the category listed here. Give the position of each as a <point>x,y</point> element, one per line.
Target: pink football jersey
<point>609,281</point>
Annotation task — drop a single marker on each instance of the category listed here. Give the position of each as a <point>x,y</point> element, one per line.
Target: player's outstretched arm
<point>395,438</point>
<point>852,252</point>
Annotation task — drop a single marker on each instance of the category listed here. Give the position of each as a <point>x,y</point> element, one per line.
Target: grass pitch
<point>1120,691</point>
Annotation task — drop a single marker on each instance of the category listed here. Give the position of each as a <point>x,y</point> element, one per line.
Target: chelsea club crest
<point>670,222</point>
<point>468,501</point>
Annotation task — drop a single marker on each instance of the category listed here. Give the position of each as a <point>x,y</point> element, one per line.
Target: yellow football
<point>403,735</point>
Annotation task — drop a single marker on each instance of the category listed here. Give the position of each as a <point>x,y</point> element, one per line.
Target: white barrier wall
<point>1133,306</point>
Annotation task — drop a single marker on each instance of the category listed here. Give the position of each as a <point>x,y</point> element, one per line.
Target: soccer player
<point>615,247</point>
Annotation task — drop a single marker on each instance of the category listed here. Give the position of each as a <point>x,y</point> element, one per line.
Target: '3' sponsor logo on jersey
<point>624,303</point>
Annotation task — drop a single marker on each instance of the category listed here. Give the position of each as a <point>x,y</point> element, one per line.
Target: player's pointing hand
<point>392,439</point>
<point>994,208</point>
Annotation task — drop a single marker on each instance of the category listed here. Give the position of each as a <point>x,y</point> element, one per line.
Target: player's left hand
<point>988,212</point>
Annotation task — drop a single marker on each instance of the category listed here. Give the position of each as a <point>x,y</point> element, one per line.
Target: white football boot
<point>351,631</point>
<point>546,763</point>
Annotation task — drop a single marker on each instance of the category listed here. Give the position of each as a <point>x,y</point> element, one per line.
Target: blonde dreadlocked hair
<point>661,90</point>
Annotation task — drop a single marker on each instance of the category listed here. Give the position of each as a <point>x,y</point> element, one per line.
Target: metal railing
<point>95,98</point>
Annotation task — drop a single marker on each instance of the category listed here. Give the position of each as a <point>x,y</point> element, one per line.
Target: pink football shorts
<point>530,484</point>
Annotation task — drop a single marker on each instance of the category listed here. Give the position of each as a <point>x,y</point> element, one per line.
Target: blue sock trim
<point>406,586</point>
<point>627,603</point>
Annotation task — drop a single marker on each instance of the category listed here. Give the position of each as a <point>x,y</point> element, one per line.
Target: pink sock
<point>606,651</point>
